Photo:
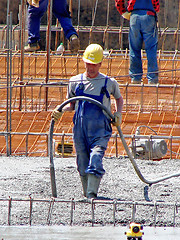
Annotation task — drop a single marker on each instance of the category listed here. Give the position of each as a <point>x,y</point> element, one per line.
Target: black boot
<point>84,181</point>
<point>93,186</point>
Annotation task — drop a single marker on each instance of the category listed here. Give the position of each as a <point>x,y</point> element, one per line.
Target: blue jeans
<point>60,10</point>
<point>143,28</point>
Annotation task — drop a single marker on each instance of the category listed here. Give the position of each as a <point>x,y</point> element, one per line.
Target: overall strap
<point>104,88</point>
<point>80,87</point>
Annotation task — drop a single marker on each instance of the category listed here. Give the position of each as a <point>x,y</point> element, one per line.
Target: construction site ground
<point>28,210</point>
<point>97,233</point>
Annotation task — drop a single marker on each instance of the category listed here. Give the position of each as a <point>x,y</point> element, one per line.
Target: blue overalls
<point>92,131</point>
<point>61,11</point>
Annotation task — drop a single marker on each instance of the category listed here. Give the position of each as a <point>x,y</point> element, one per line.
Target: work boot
<point>84,180</point>
<point>93,186</point>
<point>32,47</point>
<point>74,43</point>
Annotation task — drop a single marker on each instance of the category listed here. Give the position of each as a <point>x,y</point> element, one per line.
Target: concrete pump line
<point>52,171</point>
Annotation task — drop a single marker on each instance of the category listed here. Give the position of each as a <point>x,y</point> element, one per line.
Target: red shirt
<point>120,5</point>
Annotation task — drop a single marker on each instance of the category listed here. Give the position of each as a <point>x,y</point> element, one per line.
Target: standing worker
<point>143,28</point>
<point>92,129</point>
<point>60,8</point>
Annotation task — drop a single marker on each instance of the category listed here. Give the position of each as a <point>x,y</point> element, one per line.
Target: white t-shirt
<point>93,86</point>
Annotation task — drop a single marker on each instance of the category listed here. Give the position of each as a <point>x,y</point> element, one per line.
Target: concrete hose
<point>52,170</point>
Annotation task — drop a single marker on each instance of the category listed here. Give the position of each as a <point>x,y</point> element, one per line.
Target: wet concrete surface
<point>22,178</point>
<point>84,233</point>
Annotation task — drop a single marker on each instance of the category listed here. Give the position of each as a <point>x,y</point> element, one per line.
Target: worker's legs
<point>95,166</point>
<point>91,135</point>
<point>150,37</point>
<point>135,46</point>
<point>82,159</point>
<point>91,169</point>
<point>92,131</point>
<point>82,154</point>
<point>95,171</point>
<point>61,11</point>
<point>34,18</point>
<point>89,161</point>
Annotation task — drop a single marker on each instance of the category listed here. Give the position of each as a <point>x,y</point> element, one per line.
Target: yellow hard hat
<point>93,54</point>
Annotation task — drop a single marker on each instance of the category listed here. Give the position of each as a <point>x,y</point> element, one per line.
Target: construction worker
<point>60,8</point>
<point>92,128</point>
<point>143,28</point>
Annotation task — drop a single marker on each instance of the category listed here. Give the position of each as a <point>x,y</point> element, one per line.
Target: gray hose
<point>52,171</point>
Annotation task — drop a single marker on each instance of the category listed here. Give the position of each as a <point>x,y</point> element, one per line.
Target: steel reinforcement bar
<point>154,208</point>
<point>27,135</point>
<point>143,102</point>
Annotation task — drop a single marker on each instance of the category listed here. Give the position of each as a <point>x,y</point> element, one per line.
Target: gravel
<point>122,197</point>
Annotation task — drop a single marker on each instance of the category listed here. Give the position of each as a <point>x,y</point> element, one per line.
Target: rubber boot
<point>84,180</point>
<point>93,186</point>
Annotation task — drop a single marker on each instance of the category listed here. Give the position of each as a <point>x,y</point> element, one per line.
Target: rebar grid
<point>30,90</point>
<point>118,31</point>
<point>36,143</point>
<point>114,206</point>
<point>143,98</point>
<point>65,65</point>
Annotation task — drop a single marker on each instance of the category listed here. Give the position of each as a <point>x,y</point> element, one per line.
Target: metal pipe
<point>9,211</point>
<point>10,85</point>
<point>22,24</point>
<point>50,211</point>
<point>72,208</point>
<point>48,44</point>
<point>7,83</point>
<point>92,211</point>
<point>170,138</point>
<point>30,211</point>
<point>114,211</point>
<point>96,201</point>
<point>79,6</point>
<point>64,83</point>
<point>52,170</point>
<point>155,212</point>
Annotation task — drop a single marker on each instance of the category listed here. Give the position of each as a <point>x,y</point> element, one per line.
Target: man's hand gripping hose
<point>56,114</point>
<point>117,119</point>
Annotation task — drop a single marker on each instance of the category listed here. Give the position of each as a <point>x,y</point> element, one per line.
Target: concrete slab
<point>95,233</point>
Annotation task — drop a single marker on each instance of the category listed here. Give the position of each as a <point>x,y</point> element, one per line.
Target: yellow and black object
<point>65,149</point>
<point>135,231</point>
